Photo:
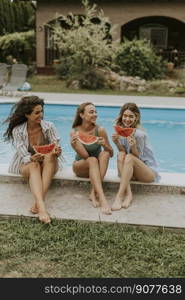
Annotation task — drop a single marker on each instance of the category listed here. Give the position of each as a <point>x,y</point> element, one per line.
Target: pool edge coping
<point>67,174</point>
<point>77,102</point>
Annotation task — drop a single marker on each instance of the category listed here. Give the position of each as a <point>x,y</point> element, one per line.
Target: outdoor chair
<point>3,75</point>
<point>17,78</point>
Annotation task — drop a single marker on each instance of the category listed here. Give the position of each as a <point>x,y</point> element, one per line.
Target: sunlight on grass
<point>51,84</point>
<point>86,249</point>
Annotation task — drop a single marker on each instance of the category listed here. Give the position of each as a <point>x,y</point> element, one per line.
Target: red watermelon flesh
<point>125,132</point>
<point>86,139</point>
<point>45,149</point>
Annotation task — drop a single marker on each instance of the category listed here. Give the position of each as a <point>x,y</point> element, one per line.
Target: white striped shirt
<point>21,143</point>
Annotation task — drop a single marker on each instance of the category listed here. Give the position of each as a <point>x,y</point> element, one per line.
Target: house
<point>160,21</point>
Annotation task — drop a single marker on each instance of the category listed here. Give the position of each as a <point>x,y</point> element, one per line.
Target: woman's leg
<point>120,163</point>
<point>32,172</point>
<point>90,168</point>
<point>50,167</point>
<point>132,167</point>
<point>103,159</point>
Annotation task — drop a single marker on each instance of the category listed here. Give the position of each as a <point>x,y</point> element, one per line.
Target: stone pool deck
<point>157,204</point>
<point>108,100</point>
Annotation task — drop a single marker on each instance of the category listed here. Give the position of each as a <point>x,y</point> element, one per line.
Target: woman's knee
<point>26,170</point>
<point>49,158</point>
<point>92,160</point>
<point>81,170</point>
<point>121,156</point>
<point>104,155</point>
<point>34,165</point>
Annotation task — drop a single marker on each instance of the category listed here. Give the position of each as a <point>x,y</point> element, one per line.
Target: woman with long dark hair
<point>91,161</point>
<point>135,157</point>
<point>26,129</point>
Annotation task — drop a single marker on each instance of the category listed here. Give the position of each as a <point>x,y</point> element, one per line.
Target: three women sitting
<point>27,128</point>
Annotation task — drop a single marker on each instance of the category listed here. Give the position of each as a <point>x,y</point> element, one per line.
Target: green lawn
<point>86,249</point>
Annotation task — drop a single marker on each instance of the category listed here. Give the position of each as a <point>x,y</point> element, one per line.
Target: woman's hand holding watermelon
<point>131,140</point>
<point>37,157</point>
<point>101,141</point>
<point>57,150</point>
<point>74,139</point>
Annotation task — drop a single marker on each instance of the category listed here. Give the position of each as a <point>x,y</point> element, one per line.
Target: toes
<point>126,204</point>
<point>34,210</point>
<point>116,206</point>
<point>106,210</point>
<point>95,203</point>
<point>45,219</point>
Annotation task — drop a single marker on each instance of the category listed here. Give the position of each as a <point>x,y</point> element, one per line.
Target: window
<point>157,34</point>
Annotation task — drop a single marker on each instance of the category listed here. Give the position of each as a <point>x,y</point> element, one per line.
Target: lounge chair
<point>17,78</point>
<point>3,75</point>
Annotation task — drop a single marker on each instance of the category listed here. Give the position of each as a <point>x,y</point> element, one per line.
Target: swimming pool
<point>165,127</point>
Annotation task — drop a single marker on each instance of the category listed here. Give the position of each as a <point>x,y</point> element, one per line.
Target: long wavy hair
<point>78,120</point>
<point>17,114</point>
<point>134,109</point>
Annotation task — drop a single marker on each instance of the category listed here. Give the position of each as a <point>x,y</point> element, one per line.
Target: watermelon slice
<point>86,139</point>
<point>45,149</point>
<point>125,132</point>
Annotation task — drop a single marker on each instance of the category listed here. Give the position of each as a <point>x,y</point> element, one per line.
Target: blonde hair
<point>133,108</point>
<point>78,120</point>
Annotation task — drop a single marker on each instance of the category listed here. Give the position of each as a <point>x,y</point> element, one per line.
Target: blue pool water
<point>165,127</point>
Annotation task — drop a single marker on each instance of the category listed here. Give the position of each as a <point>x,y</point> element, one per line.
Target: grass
<point>77,249</point>
<point>51,84</point>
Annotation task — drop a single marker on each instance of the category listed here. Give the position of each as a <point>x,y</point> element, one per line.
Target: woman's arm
<point>104,142</point>
<point>116,140</point>
<point>54,138</point>
<point>53,135</point>
<point>136,145</point>
<point>77,146</point>
<point>20,146</point>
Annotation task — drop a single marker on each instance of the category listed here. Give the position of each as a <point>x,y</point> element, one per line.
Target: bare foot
<point>93,198</point>
<point>105,209</point>
<point>117,204</point>
<point>127,200</point>
<point>34,209</point>
<point>44,217</point>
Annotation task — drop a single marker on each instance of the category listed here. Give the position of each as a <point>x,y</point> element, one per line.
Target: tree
<point>82,43</point>
<point>16,16</point>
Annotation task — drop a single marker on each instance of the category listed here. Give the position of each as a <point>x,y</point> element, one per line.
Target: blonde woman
<point>135,158</point>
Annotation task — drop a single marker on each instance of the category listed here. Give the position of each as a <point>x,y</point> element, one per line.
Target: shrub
<point>64,68</point>
<point>83,44</point>
<point>92,80</point>
<point>19,45</point>
<point>138,58</point>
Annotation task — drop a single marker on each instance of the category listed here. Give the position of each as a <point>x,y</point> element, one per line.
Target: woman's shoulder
<point>47,124</point>
<point>140,132</point>
<point>100,129</point>
<point>19,128</point>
